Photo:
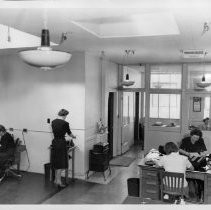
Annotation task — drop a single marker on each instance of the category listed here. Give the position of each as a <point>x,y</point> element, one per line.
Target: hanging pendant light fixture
<point>203,83</point>
<point>127,81</point>
<point>44,57</point>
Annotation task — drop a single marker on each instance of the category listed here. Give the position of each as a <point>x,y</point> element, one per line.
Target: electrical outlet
<point>48,121</point>
<point>24,130</point>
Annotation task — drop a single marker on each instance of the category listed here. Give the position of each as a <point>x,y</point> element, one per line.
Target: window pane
<point>154,105</point>
<point>166,76</point>
<point>164,100</point>
<point>163,112</point>
<point>174,113</point>
<point>128,107</point>
<point>174,106</point>
<point>207,107</point>
<point>131,107</point>
<point>165,106</point>
<point>125,109</point>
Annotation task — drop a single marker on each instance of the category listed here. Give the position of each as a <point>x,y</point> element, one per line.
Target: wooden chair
<point>172,184</point>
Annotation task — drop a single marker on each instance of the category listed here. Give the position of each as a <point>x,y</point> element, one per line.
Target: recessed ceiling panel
<point>150,24</point>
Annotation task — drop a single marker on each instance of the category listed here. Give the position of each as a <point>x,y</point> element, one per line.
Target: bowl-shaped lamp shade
<point>203,84</point>
<point>127,83</point>
<point>44,57</point>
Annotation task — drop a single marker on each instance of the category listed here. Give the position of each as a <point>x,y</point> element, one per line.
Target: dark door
<point>110,122</point>
<point>137,116</point>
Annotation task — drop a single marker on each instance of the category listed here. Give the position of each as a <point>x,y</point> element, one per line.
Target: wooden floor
<point>33,189</point>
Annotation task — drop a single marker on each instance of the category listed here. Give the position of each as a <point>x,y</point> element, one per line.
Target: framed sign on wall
<point>196,104</point>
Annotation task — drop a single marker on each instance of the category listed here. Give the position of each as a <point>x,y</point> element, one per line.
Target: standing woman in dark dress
<point>59,156</point>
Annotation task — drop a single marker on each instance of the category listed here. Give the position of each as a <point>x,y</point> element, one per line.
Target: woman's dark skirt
<point>59,158</point>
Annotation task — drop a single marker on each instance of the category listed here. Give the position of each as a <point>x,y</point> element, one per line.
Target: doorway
<point>139,119</point>
<point>127,120</point>
<point>110,123</point>
<point>137,116</point>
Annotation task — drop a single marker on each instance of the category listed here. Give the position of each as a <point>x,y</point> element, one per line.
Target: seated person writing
<point>7,145</point>
<point>205,125</point>
<point>193,147</point>
<point>174,162</point>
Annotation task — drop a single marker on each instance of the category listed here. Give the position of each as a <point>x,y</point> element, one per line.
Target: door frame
<point>120,113</point>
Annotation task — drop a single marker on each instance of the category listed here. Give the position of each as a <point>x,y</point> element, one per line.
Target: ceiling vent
<point>193,53</point>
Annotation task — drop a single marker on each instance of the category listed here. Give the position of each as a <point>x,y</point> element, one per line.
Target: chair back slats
<point>172,183</point>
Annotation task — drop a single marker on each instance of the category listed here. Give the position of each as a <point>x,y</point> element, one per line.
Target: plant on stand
<point>101,128</point>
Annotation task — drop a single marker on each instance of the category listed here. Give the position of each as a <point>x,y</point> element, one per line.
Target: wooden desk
<point>150,182</point>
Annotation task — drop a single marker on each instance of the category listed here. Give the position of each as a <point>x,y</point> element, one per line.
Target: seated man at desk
<point>193,146</point>
<point>174,162</point>
<point>7,145</point>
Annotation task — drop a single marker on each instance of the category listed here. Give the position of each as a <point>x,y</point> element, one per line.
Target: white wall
<point>29,96</point>
<point>93,97</point>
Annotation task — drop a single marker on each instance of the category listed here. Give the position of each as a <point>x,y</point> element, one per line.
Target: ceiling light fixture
<point>44,57</point>
<point>127,81</point>
<point>203,83</point>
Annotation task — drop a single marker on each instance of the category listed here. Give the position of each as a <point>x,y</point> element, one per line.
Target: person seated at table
<point>7,146</point>
<point>194,146</point>
<point>174,162</point>
<point>7,143</point>
<point>205,124</point>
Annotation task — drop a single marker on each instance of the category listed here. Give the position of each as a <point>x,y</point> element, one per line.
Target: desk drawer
<point>150,174</point>
<point>151,182</point>
<point>149,193</point>
<point>151,189</point>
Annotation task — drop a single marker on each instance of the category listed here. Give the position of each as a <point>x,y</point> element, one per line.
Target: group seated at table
<point>190,154</point>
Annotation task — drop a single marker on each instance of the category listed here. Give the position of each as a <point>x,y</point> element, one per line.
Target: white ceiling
<point>160,40</point>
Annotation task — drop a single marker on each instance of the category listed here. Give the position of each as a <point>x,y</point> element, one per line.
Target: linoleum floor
<point>81,192</point>
<point>33,189</point>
